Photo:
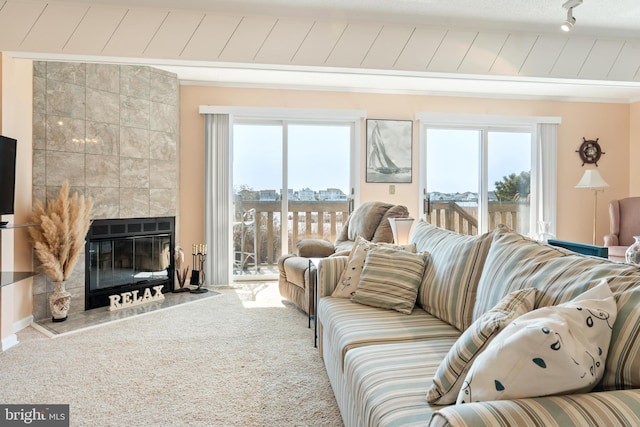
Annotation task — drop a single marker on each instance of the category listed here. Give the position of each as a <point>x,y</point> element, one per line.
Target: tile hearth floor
<point>98,316</point>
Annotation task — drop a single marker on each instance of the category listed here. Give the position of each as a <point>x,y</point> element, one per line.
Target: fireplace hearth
<point>124,255</point>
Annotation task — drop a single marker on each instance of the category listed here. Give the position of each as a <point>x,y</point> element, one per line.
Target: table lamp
<point>401,227</point>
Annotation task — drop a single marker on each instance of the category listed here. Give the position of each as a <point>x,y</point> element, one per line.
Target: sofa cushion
<point>451,373</point>
<point>551,350</point>
<point>516,262</point>
<point>611,408</point>
<point>388,381</point>
<point>310,248</point>
<point>449,286</point>
<point>351,325</point>
<point>390,279</point>
<point>350,276</point>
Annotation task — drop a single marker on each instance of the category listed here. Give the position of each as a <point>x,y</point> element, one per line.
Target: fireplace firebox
<point>129,254</point>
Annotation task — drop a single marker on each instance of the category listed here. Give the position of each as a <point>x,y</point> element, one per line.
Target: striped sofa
<point>381,363</point>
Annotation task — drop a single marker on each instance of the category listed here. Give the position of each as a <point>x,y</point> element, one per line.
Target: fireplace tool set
<point>198,254</point>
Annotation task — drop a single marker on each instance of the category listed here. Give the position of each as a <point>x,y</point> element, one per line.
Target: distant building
<point>268,195</point>
<point>331,194</point>
<point>306,195</point>
<point>467,196</point>
<point>246,194</point>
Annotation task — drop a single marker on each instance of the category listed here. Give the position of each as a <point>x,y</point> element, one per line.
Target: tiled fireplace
<point>112,132</point>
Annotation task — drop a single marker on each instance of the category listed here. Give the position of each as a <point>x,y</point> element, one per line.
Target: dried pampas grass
<point>64,224</point>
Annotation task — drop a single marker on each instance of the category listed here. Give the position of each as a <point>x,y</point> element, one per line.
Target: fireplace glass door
<point>126,261</point>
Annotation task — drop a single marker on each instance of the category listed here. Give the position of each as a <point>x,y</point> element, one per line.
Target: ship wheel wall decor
<point>590,151</point>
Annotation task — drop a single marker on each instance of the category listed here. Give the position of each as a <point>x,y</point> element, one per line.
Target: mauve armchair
<point>624,217</point>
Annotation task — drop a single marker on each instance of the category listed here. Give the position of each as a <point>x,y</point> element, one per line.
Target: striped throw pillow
<point>390,279</point>
<point>350,276</point>
<point>451,373</point>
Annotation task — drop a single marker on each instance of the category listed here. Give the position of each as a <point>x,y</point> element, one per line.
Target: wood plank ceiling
<point>189,35</point>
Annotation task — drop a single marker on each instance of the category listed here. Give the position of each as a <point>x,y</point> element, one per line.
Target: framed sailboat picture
<point>389,150</point>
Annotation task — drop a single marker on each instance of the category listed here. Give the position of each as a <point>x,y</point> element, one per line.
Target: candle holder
<point>199,254</point>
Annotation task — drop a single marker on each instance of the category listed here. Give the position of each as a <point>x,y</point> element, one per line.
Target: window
<point>220,212</point>
<point>296,168</point>
<point>477,177</point>
<point>466,193</point>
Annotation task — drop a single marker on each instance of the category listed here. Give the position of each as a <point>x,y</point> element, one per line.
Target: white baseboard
<point>22,323</point>
<point>12,340</point>
<point>9,341</point>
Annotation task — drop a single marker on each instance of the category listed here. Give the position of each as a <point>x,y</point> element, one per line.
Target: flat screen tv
<point>8,148</point>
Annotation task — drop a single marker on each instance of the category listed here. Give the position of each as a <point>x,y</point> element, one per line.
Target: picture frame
<point>389,151</point>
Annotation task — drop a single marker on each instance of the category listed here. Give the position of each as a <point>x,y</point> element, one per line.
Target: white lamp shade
<point>592,179</point>
<point>401,227</point>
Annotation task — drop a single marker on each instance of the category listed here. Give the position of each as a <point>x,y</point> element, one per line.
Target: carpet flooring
<point>244,358</point>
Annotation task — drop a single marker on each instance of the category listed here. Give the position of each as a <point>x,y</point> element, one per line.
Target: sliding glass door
<point>478,178</point>
<point>291,180</point>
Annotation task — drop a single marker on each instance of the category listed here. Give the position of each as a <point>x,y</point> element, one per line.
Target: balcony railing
<point>304,219</point>
<point>463,218</point>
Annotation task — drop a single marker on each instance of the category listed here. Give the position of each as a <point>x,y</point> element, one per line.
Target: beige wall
<point>16,112</point>
<point>608,122</point>
<point>634,149</point>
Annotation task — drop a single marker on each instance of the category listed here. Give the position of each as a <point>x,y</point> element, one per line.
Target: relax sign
<point>131,298</point>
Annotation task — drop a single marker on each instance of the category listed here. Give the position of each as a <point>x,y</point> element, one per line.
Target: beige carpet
<point>244,358</point>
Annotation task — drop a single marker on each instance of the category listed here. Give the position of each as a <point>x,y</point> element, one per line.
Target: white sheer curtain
<point>217,135</point>
<point>546,173</point>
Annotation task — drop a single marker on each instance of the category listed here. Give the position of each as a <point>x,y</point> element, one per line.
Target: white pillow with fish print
<point>552,350</point>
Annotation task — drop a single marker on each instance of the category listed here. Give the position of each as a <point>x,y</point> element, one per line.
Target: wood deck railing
<point>464,219</point>
<point>303,214</point>
<point>303,221</point>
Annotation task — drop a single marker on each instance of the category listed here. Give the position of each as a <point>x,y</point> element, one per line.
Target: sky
<point>319,157</point>
<point>453,158</point>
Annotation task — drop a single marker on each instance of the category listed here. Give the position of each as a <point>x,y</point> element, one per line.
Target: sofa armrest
<point>329,271</point>
<point>609,408</point>
<point>611,240</point>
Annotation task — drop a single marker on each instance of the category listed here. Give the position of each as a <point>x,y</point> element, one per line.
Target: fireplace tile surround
<point>112,131</point>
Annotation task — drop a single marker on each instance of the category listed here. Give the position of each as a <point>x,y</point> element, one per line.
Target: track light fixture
<point>568,24</point>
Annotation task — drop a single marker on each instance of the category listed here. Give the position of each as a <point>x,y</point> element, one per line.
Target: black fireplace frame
<point>127,228</point>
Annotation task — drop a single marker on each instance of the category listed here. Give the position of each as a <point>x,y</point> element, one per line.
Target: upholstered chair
<point>370,221</point>
<point>624,218</point>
